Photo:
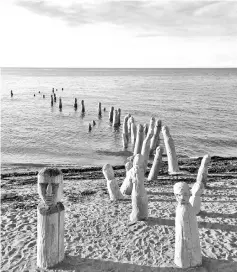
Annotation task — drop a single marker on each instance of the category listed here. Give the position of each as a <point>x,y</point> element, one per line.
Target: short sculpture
<point>99,109</point>
<point>119,116</point>
<point>75,104</point>
<point>139,140</point>
<point>195,199</point>
<point>51,100</point>
<point>155,141</point>
<point>126,187</point>
<point>139,195</point>
<point>170,151</point>
<point>157,163</point>
<point>203,170</point>
<point>187,243</point>
<point>50,218</point>
<point>112,185</point>
<point>82,106</point>
<point>60,103</point>
<point>115,118</point>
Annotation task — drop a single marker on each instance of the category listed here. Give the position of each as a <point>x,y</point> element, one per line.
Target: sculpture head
<point>182,192</point>
<point>50,185</point>
<point>108,171</point>
<point>139,128</point>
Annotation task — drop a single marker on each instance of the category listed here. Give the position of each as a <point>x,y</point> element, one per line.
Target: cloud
<point>146,18</point>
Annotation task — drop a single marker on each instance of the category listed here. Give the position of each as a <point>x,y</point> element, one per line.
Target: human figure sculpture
<point>155,141</point>
<point>126,187</point>
<point>145,130</point>
<point>187,243</point>
<point>139,140</point>
<point>125,127</point>
<point>50,218</point>
<point>203,170</point>
<point>111,114</point>
<point>55,98</point>
<point>11,93</point>
<point>51,100</point>
<point>139,194</point>
<point>112,185</point>
<point>170,151</point>
<point>195,199</point>
<point>157,163</point>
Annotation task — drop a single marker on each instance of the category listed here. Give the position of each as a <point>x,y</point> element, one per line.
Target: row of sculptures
<point>50,211</point>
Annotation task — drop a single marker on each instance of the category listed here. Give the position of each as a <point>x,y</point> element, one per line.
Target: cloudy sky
<point>112,33</point>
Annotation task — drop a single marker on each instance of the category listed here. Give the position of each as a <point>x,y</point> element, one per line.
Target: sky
<point>112,33</point>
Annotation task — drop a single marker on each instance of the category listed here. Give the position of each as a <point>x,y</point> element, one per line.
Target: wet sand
<point>98,236</point>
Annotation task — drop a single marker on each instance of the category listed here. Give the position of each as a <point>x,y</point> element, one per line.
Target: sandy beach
<point>98,234</point>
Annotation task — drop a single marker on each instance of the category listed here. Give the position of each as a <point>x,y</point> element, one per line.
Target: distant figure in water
<point>39,91</point>
<point>62,89</point>
<point>75,104</point>
<point>11,93</point>
<point>34,94</point>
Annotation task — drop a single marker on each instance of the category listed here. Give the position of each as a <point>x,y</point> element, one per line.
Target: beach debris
<point>50,218</point>
<point>155,141</point>
<point>11,93</point>
<point>156,165</point>
<point>75,104</point>
<point>60,104</point>
<point>170,151</point>
<point>203,170</point>
<point>139,194</point>
<point>112,185</point>
<point>127,185</point>
<point>111,114</point>
<point>187,243</point>
<point>99,109</point>
<point>82,106</point>
<point>139,140</point>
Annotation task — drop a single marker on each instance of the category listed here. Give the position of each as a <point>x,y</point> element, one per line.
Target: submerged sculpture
<point>50,215</point>
<point>187,243</point>
<point>112,185</point>
<point>139,195</point>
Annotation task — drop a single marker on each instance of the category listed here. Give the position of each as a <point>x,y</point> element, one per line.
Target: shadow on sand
<point>78,264</point>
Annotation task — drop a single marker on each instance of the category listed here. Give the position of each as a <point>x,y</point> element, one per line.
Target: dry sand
<point>98,236</point>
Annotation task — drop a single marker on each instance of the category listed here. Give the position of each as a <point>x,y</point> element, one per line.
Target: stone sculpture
<point>187,243</point>
<point>173,167</point>
<point>126,187</point>
<point>50,215</point>
<point>115,118</point>
<point>75,104</point>
<point>60,103</point>
<point>139,195</point>
<point>157,163</point>
<point>119,115</point>
<point>82,106</point>
<point>99,109</point>
<point>133,131</point>
<point>112,185</point>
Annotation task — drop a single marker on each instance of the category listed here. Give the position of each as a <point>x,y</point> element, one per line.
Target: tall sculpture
<point>126,187</point>
<point>187,243</point>
<point>203,170</point>
<point>157,163</point>
<point>170,151</point>
<point>112,185</point>
<point>50,218</point>
<point>155,141</point>
<point>139,140</point>
<point>139,194</point>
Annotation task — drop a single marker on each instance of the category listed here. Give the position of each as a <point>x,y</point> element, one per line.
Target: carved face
<point>50,185</point>
<point>108,171</point>
<point>182,192</point>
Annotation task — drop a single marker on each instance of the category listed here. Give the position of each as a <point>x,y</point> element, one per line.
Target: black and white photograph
<point>118,135</point>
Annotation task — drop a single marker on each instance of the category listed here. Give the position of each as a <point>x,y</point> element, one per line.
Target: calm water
<point>198,105</point>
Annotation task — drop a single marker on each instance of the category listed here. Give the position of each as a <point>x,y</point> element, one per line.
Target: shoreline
<point>98,236</point>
